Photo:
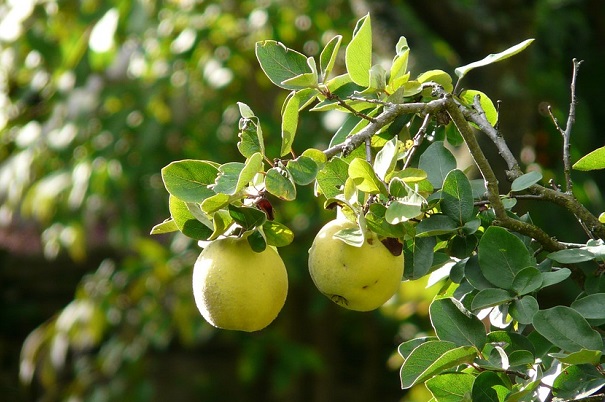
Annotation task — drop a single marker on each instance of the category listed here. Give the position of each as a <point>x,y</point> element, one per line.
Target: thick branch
<point>390,113</point>
<point>491,182</point>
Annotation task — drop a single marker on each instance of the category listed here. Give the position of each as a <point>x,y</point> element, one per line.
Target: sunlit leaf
<point>328,55</point>
<point>592,161</point>
<point>457,197</point>
<point>365,178</point>
<point>279,182</point>
<point>432,358</point>
<point>358,55</point>
<point>493,58</point>
<point>186,222</point>
<point>167,226</point>
<point>439,77</point>
<point>491,113</point>
<point>280,63</point>
<point>277,234</point>
<point>188,179</point>
<point>451,387</point>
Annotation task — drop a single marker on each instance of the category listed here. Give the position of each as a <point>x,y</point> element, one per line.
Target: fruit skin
<point>238,289</point>
<point>358,278</point>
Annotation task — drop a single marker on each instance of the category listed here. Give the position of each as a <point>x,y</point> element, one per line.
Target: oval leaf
<point>567,329</point>
<point>591,306</point>
<point>280,63</point>
<point>453,323</point>
<point>525,181</point>
<point>432,358</point>
<point>457,197</point>
<point>188,180</point>
<point>437,161</point>
<point>501,256</point>
<point>279,183</point>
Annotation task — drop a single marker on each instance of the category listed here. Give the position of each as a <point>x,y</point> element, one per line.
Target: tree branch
<point>455,112</point>
<point>565,200</point>
<point>390,113</point>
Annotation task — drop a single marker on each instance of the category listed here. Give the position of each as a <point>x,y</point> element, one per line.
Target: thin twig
<point>418,138</point>
<point>567,201</point>
<point>571,118</point>
<point>491,182</point>
<point>329,95</point>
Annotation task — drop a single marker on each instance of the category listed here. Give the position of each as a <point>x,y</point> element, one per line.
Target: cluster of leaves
<point>389,170</point>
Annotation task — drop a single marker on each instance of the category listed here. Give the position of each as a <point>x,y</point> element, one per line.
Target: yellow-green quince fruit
<point>237,288</point>
<point>358,278</point>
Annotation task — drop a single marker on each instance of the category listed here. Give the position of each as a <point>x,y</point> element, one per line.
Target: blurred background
<point>97,96</point>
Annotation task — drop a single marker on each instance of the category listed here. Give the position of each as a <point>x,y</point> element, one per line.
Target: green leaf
<point>250,133</point>
<point>257,241</point>
<point>583,356</point>
<point>554,277</point>
<point>473,274</point>
<point>567,329</point>
<point>512,343</point>
<point>279,182</point>
<point>492,58</point>
<point>221,221</point>
<point>437,161</point>
<point>376,222</point>
<point>436,225</point>
<point>365,178</point>
<point>277,234</point>
<point>303,170</point>
<point>358,55</point>
<point>351,236</point>
<point>386,159</point>
<point>593,161</point>
<point>306,80</point>
<point>439,77</point>
<point>168,226</point>
<point>577,382</point>
<point>212,204</point>
<point>411,175</point>
<point>432,358</point>
<point>489,387</point>
<point>188,179</point>
<point>457,197</point>
<point>280,63</point>
<point>331,179</point>
<point>289,122</point>
<point>491,113</point>
<point>571,256</point>
<point>234,176</point>
<point>591,306</point>
<point>407,347</point>
<point>527,280</point>
<point>490,297</point>
<point>328,55</point>
<point>524,309</point>
<point>451,387</point>
<point>247,217</point>
<point>403,211</point>
<point>186,222</point>
<point>418,257</point>
<point>245,110</point>
<point>454,323</point>
<point>501,256</point>
<point>525,181</point>
<point>399,75</point>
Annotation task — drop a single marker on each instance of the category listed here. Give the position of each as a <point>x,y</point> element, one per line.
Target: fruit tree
<point>404,209</point>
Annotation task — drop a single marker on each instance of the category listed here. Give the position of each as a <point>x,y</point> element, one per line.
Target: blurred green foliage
<point>97,96</point>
